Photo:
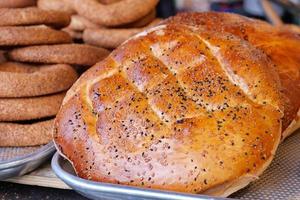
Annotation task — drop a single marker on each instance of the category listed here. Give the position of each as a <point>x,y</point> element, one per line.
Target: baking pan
<point>16,161</point>
<point>280,181</point>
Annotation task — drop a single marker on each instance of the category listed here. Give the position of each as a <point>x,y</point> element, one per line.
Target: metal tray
<point>16,161</point>
<point>280,181</point>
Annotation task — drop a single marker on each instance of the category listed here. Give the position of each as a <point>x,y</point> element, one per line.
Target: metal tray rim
<point>87,185</point>
<point>41,152</point>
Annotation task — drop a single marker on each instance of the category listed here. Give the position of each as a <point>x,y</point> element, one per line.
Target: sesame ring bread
<point>31,35</point>
<point>21,80</point>
<point>79,23</point>
<point>16,3</point>
<point>77,54</point>
<point>33,16</point>
<point>111,37</point>
<point>176,107</point>
<point>18,109</point>
<point>118,13</point>
<point>57,5</point>
<point>280,44</point>
<point>17,135</point>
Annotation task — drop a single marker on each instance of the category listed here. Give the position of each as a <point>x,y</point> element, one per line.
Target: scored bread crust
<point>173,109</point>
<point>280,44</point>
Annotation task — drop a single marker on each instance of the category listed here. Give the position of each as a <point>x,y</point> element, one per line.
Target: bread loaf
<point>178,107</point>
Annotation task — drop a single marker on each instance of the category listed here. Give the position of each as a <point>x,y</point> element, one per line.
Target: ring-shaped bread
<point>20,80</point>
<point>16,3</point>
<point>114,14</point>
<point>57,5</point>
<point>77,54</point>
<point>33,16</point>
<point>20,135</point>
<point>29,108</point>
<point>32,35</point>
<point>112,37</point>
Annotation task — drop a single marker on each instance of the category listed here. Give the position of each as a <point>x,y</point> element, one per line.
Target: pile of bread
<point>105,23</point>
<point>36,69</point>
<point>198,103</point>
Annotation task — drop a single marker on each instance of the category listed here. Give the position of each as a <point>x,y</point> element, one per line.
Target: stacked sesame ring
<point>112,38</point>
<point>31,35</point>
<point>19,109</point>
<point>106,13</point>
<point>30,95</point>
<point>76,54</point>
<point>30,82</point>
<point>113,14</point>
<point>20,80</point>
<point>16,3</point>
<point>38,62</point>
<point>13,134</point>
<point>33,16</point>
<point>116,20</point>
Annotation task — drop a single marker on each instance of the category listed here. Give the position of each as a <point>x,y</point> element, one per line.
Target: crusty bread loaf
<point>178,107</point>
<point>282,45</point>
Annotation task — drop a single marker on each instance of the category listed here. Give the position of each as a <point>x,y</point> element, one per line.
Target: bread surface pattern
<point>280,44</point>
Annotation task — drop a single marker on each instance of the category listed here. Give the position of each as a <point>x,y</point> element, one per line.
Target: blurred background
<point>287,11</point>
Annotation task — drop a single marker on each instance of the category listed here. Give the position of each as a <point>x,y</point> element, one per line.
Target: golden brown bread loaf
<point>178,107</point>
<point>280,44</point>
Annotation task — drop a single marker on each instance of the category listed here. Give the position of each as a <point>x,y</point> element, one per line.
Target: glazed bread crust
<point>177,107</point>
<point>280,44</point>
